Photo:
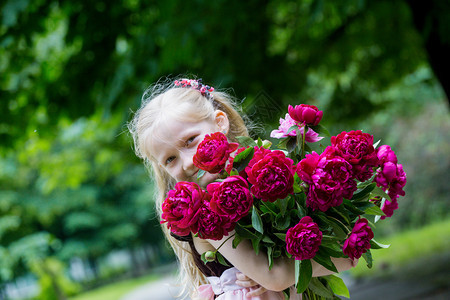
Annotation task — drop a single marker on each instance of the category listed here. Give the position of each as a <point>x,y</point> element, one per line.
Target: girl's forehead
<point>168,134</point>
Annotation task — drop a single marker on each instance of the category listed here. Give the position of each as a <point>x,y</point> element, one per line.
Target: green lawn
<point>116,290</point>
<point>408,247</point>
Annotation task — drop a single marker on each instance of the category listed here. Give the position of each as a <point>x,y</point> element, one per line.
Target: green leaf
<point>352,208</point>
<point>259,142</point>
<point>237,239</point>
<point>245,141</point>
<point>281,236</point>
<point>337,227</point>
<point>320,129</point>
<point>242,159</point>
<point>325,260</point>
<point>200,173</point>
<point>291,144</point>
<point>368,258</point>
<point>374,210</point>
<point>329,251</point>
<point>267,239</point>
<point>337,285</point>
<point>221,259</point>
<point>245,233</point>
<point>282,222</point>
<point>361,194</point>
<point>256,221</point>
<point>256,245</point>
<point>297,188</point>
<point>270,257</point>
<point>319,289</point>
<point>375,245</point>
<point>376,144</point>
<point>234,172</point>
<point>377,191</point>
<point>301,212</point>
<point>282,204</point>
<point>303,274</point>
<point>293,127</point>
<point>203,257</point>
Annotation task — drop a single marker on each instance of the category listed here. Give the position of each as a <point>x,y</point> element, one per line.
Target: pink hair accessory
<point>195,84</point>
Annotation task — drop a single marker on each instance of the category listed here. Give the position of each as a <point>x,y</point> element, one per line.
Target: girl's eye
<point>169,160</point>
<point>190,140</point>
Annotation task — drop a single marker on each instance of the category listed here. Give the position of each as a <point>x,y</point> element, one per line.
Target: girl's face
<point>180,140</point>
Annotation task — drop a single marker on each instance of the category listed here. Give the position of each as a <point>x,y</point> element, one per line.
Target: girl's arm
<point>282,274</point>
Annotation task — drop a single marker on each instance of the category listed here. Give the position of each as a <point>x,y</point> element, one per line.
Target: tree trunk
<point>431,19</point>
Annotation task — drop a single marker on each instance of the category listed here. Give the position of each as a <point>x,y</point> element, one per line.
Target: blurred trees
<point>72,71</point>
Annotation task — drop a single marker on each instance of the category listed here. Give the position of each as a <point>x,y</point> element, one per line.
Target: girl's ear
<point>222,122</point>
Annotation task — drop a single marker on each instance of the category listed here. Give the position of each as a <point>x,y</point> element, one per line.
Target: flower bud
<point>210,256</point>
<point>266,144</point>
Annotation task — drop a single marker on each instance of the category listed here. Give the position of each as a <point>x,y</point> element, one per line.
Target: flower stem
<point>225,242</point>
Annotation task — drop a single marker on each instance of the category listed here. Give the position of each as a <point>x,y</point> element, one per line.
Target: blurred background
<point>76,208</point>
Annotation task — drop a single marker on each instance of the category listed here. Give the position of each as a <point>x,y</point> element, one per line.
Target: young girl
<point>173,119</point>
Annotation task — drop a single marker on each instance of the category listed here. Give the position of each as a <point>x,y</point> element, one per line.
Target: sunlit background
<point>76,208</point>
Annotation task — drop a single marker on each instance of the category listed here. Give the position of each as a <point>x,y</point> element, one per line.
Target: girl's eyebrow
<point>187,136</point>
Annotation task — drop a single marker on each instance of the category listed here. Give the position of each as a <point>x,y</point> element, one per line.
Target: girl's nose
<point>188,163</point>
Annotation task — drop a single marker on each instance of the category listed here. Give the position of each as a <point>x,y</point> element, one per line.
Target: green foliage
<point>54,284</point>
<point>72,70</point>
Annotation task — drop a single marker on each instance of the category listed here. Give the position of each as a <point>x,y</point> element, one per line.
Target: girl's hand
<point>247,282</point>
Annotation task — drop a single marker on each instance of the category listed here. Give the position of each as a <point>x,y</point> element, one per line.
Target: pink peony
<point>288,122</point>
<point>359,240</point>
<point>231,197</point>
<point>180,210</point>
<point>211,225</point>
<point>303,240</point>
<point>305,114</point>
<point>357,148</point>
<point>213,152</point>
<point>272,175</point>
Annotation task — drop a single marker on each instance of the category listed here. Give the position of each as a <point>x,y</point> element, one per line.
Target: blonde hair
<point>160,102</point>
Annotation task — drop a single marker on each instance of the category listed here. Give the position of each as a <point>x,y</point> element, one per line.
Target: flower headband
<point>196,85</point>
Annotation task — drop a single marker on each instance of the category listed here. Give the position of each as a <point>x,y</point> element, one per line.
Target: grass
<point>417,246</point>
<point>116,290</point>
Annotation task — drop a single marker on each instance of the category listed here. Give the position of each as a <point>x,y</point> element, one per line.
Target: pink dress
<point>227,289</point>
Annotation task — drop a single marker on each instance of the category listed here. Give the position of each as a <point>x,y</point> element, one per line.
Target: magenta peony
<point>211,225</point>
<point>329,177</point>
<point>180,210</point>
<point>386,174</point>
<point>303,240</point>
<point>305,114</point>
<point>359,240</point>
<point>288,122</point>
<point>391,178</point>
<point>307,166</point>
<point>388,208</point>
<point>357,148</point>
<point>272,175</point>
<point>213,152</point>
<point>385,154</point>
<point>231,197</point>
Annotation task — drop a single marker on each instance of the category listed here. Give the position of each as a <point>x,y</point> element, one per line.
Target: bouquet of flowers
<point>298,199</point>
